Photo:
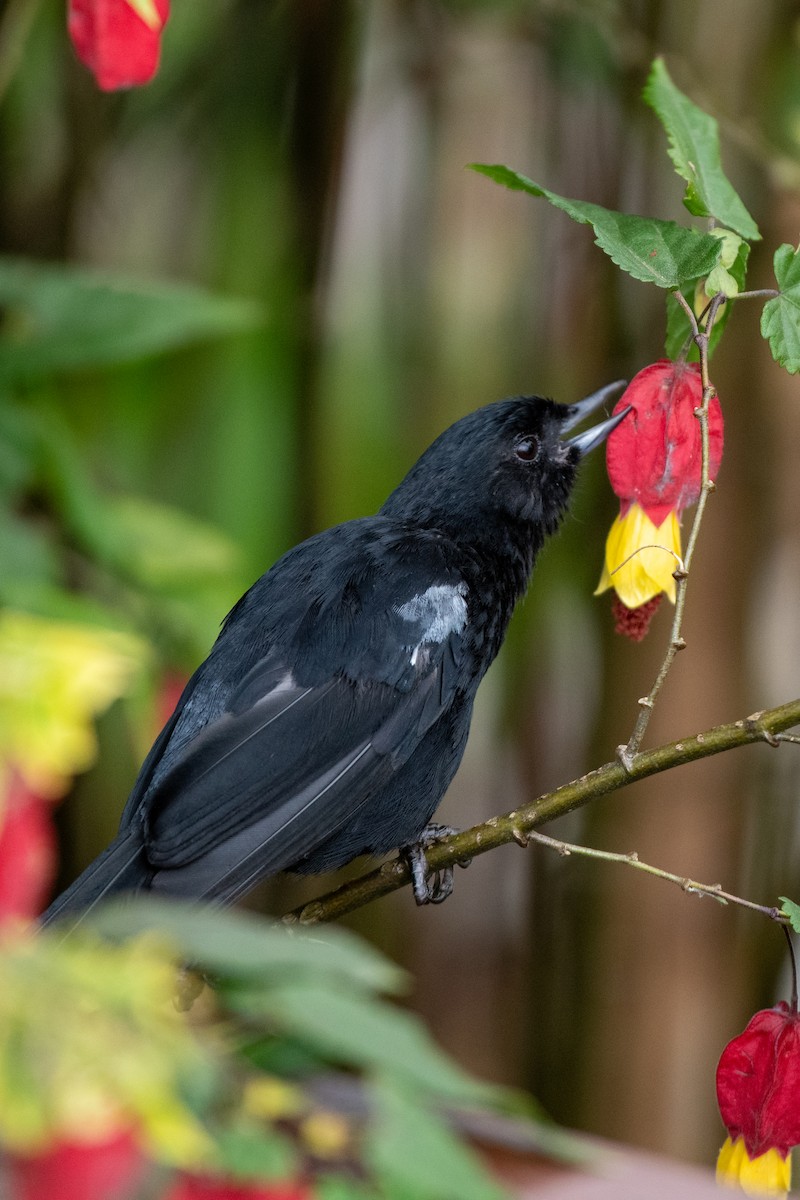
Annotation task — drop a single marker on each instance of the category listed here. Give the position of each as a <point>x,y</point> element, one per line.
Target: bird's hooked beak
<point>590,438</point>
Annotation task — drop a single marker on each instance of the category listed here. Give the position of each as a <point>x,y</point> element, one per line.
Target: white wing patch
<point>440,610</point>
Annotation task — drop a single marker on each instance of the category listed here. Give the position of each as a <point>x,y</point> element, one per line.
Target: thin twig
<point>691,886</point>
<point>757,293</point>
<point>676,641</point>
<point>650,546</point>
<point>516,826</point>
<point>793,961</point>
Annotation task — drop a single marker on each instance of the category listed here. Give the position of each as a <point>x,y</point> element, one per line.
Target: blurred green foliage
<point>189,1087</point>
<point>309,169</point>
<point>63,534</point>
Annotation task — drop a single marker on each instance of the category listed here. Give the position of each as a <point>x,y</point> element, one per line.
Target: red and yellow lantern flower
<point>758,1091</point>
<point>654,462</point>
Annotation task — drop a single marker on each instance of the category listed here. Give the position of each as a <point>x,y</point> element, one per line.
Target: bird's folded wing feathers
<point>279,818</point>
<point>290,762</point>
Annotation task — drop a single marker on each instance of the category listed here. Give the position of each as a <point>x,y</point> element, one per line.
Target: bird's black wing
<point>320,722</point>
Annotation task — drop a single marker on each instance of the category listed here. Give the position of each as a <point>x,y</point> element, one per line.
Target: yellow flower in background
<point>55,678</point>
<point>92,1047</point>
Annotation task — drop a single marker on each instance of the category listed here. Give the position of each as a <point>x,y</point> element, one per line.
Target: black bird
<point>333,710</point>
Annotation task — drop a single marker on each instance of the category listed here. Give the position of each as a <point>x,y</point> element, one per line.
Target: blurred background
<point>306,287</point>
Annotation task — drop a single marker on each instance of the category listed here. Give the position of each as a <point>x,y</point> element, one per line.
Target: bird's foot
<point>430,887</point>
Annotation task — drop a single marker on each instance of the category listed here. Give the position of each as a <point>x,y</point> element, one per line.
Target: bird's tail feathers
<point>122,867</point>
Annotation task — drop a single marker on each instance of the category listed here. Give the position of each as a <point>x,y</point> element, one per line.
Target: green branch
<point>516,826</point>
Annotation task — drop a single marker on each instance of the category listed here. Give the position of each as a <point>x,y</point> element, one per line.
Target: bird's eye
<point>527,448</point>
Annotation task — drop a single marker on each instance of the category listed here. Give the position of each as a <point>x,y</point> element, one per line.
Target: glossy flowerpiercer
<point>333,710</point>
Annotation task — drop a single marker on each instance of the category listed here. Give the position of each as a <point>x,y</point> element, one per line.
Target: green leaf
<point>659,252</point>
<point>721,280</point>
<point>792,911</point>
<point>342,1187</point>
<point>42,599</point>
<point>355,1030</point>
<point>694,149</point>
<point>28,557</point>
<point>251,1151</point>
<point>67,482</point>
<point>413,1152</point>
<point>60,318</point>
<point>150,546</point>
<point>166,549</point>
<point>678,328</point>
<point>780,318</point>
<point>289,1057</point>
<point>240,945</point>
<point>17,444</point>
<point>731,246</point>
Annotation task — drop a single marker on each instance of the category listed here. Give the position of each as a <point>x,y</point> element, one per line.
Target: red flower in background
<point>758,1091</point>
<point>27,851</point>
<point>654,461</point>
<point>196,1187</point>
<point>118,40</point>
<point>77,1170</point>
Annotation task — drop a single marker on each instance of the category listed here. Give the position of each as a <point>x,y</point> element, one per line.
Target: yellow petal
<point>146,9</point>
<point>769,1174</point>
<point>641,557</point>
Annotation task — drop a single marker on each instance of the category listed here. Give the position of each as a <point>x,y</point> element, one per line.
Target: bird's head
<point>504,471</point>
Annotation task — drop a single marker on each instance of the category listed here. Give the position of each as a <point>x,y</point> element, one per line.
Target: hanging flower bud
<point>758,1091</point>
<point>27,850</point>
<point>118,40</point>
<point>654,461</point>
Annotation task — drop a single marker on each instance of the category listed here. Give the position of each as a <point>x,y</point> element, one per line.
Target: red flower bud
<point>654,456</point>
<point>118,40</point>
<point>654,459</point>
<point>27,851</point>
<point>758,1082</point>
